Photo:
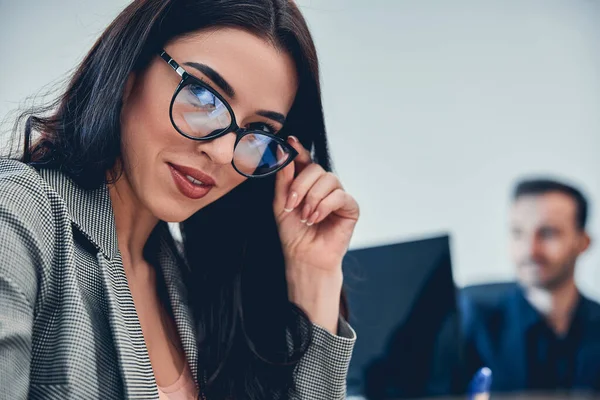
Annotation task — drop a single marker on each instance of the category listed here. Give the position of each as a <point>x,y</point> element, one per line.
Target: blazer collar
<point>170,262</point>
<point>90,210</point>
<point>527,316</point>
<point>91,213</point>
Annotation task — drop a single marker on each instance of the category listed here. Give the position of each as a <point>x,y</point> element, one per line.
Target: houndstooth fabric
<point>68,325</point>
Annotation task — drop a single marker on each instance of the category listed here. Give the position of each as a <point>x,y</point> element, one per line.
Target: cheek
<point>517,249</point>
<point>145,126</point>
<point>565,249</point>
<point>556,252</point>
<point>231,179</point>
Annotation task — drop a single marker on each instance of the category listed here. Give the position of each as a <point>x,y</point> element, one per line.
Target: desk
<point>523,396</point>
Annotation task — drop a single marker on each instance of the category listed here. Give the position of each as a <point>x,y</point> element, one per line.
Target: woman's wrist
<point>317,293</point>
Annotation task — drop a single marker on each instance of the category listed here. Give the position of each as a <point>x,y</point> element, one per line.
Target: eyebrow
<point>213,76</point>
<point>275,116</point>
<point>229,91</point>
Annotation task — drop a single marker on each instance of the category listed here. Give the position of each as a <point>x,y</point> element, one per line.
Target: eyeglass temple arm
<point>172,63</point>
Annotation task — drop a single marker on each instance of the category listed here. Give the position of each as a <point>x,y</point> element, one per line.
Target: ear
<point>586,242</point>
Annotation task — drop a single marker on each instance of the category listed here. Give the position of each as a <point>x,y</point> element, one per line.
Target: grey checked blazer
<point>68,325</point>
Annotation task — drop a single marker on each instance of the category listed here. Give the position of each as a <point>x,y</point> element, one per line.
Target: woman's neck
<point>134,222</point>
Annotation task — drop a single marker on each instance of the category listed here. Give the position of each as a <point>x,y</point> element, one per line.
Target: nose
<point>219,150</point>
<point>534,248</point>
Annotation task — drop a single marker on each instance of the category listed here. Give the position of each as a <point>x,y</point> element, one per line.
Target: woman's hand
<point>316,219</point>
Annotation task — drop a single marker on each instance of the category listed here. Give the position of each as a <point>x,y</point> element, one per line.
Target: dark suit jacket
<point>506,335</point>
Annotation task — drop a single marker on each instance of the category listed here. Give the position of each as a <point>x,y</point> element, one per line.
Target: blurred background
<point>434,110</point>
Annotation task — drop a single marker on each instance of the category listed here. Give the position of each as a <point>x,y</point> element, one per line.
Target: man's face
<point>545,239</point>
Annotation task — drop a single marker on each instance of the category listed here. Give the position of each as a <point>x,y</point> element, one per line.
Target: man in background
<point>542,334</point>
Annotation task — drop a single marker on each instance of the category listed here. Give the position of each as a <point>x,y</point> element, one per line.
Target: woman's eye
<point>263,127</point>
<point>203,98</point>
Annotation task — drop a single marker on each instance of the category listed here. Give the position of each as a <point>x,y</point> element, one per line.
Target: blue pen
<point>480,385</point>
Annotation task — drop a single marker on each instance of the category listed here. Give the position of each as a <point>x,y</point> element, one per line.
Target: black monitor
<point>402,301</point>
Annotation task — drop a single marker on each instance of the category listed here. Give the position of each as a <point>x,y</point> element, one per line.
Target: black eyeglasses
<point>198,112</point>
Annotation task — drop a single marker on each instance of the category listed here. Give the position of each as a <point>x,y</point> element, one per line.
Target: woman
<point>174,115</point>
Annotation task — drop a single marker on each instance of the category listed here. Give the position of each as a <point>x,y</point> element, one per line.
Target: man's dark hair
<point>535,187</point>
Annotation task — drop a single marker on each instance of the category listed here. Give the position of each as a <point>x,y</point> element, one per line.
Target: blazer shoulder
<point>483,310</point>
<point>28,234</point>
<point>19,176</point>
<point>24,193</point>
<point>594,310</point>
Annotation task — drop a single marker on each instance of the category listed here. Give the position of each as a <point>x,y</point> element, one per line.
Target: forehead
<point>553,208</point>
<point>259,73</point>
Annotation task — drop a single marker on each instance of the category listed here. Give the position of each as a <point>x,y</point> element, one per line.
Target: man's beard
<point>563,275</point>
<point>559,275</point>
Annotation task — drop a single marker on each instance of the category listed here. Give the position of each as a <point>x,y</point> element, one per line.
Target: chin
<point>173,217</point>
<point>544,283</point>
<point>171,211</point>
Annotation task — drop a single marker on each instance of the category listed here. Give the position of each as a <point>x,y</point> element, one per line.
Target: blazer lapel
<point>92,214</point>
<point>586,371</point>
<point>513,353</point>
<point>170,262</point>
<point>136,369</point>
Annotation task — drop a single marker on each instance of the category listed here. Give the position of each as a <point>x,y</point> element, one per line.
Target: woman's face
<point>159,163</point>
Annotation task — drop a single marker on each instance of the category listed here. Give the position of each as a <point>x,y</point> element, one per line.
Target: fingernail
<point>291,202</point>
<point>305,213</point>
<point>294,139</point>
<point>313,218</point>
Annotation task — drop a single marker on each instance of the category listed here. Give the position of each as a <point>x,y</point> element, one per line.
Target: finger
<point>303,159</point>
<point>283,182</point>
<point>326,184</point>
<point>301,185</point>
<point>338,202</point>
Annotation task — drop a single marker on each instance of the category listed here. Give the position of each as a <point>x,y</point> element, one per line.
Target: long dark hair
<point>250,336</point>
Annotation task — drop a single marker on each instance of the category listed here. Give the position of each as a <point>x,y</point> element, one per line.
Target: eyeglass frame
<point>186,79</point>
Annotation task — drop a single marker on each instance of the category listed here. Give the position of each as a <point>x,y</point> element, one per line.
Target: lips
<point>192,183</point>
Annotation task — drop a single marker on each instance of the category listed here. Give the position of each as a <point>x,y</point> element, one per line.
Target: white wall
<point>434,107</point>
